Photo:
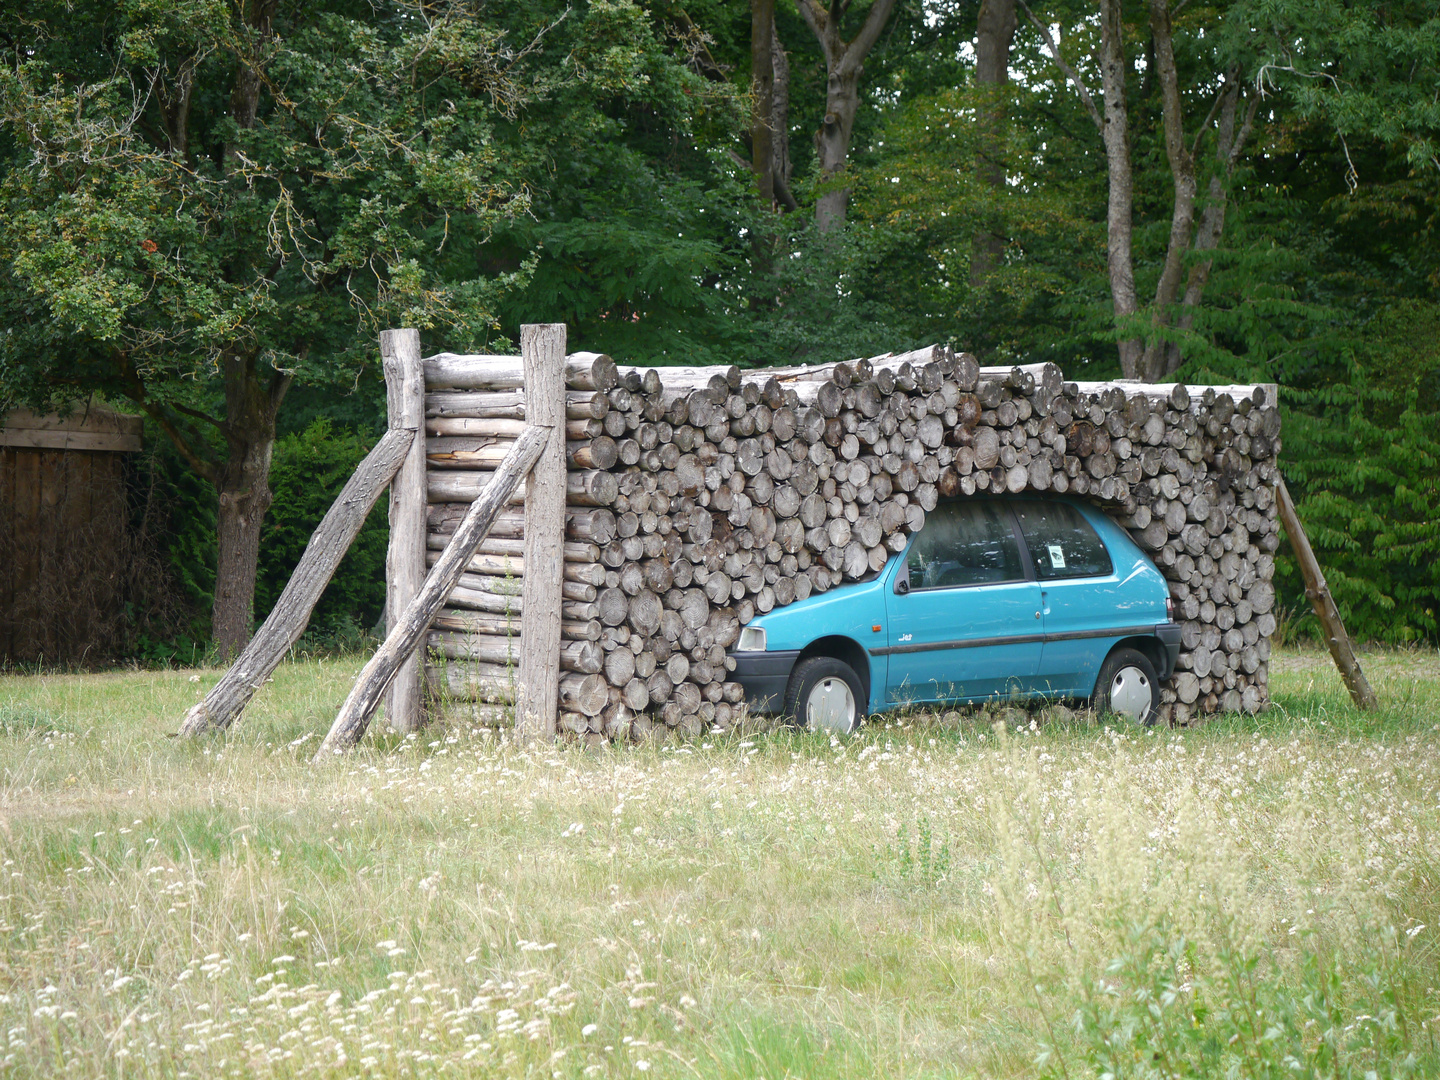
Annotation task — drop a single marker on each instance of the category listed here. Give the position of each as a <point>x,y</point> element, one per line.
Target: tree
<point>844,62</point>
<point>204,202</point>
<point>994,33</point>
<point>1149,345</point>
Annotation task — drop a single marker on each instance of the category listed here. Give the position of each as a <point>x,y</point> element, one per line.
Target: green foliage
<point>1162,1009</point>
<point>920,860</point>
<point>148,233</point>
<point>309,469</point>
<point>1366,69</point>
<point>1363,456</point>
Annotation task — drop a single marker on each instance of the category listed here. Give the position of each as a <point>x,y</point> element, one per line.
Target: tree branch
<point>196,414</point>
<point>1245,130</point>
<point>819,22</point>
<point>1065,68</point>
<point>1210,116</point>
<point>279,383</point>
<point>869,33</point>
<point>204,469</point>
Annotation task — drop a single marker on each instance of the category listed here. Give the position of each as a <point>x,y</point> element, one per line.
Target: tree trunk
<point>1119,215</point>
<point>832,145</point>
<point>994,32</point>
<point>780,121</point>
<point>1229,145</point>
<point>762,89</point>
<point>244,490</point>
<point>1182,209</point>
<point>250,407</point>
<point>844,62</point>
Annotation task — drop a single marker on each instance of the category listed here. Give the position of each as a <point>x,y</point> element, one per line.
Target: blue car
<point>995,597</point>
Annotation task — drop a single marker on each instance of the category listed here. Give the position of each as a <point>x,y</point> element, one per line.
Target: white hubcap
<point>1130,694</point>
<point>830,707</point>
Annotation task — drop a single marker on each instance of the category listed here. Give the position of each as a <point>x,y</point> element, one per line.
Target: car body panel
<point>974,642</point>
<point>850,611</point>
<point>1085,617</point>
<point>964,643</point>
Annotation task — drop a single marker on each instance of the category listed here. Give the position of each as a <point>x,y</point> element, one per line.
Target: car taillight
<point>1170,608</point>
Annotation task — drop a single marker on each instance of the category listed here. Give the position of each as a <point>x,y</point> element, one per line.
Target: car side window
<point>964,543</point>
<point>1062,543</point>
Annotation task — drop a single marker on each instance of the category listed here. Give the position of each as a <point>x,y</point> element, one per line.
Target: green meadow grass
<point>936,896</point>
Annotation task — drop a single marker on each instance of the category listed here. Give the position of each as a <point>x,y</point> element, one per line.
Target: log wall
<point>699,497</point>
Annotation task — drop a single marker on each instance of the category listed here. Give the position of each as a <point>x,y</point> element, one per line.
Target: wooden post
<point>1341,648</point>
<point>542,349</point>
<point>405,561</point>
<point>410,626</point>
<point>327,546</point>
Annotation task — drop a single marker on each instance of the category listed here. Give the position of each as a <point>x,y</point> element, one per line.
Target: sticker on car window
<point>1057,557</point>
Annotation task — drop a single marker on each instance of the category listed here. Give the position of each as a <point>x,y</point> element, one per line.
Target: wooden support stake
<point>405,560</point>
<point>1341,648</point>
<point>542,349</point>
<point>291,614</point>
<point>408,629</point>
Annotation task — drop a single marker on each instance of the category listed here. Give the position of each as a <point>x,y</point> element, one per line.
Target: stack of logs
<point>699,497</point>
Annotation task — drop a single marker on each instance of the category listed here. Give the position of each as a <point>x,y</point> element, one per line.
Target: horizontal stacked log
<point>700,497</point>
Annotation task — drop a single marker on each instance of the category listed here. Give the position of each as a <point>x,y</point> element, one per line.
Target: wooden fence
<point>63,531</point>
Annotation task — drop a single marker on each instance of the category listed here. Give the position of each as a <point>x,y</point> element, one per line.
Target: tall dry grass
<point>934,897</point>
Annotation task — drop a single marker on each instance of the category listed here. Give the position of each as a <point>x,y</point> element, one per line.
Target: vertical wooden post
<point>542,350</point>
<point>1341,650</point>
<point>405,561</point>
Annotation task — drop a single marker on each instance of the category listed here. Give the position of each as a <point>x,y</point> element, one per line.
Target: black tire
<point>811,676</point>
<point>1127,672</point>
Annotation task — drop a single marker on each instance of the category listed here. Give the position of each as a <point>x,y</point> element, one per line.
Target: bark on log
<point>544,372</point>
<point>411,625</point>
<point>1341,649</point>
<point>583,371</point>
<point>405,556</point>
<point>291,614</point>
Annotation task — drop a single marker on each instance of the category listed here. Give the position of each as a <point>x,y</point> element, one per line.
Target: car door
<point>964,613</point>
<point>1080,595</point>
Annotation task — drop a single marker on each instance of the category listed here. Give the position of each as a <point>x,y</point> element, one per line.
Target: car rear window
<point>1062,543</point>
<point>964,543</point>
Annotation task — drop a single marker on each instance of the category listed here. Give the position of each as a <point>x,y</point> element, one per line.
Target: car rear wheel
<point>824,695</point>
<point>1127,687</point>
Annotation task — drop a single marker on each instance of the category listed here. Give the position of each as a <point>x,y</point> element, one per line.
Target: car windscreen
<point>964,543</point>
<point>1062,543</point>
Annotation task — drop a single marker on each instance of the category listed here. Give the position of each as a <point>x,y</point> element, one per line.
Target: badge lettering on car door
<point>905,637</point>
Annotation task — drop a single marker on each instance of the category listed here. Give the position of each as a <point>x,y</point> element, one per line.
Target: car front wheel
<point>824,695</point>
<point>1127,687</point>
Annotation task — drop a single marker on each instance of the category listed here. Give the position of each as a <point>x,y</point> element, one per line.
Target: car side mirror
<point>902,585</point>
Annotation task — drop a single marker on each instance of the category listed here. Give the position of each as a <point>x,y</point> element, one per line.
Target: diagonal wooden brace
<point>342,522</point>
<point>410,627</point>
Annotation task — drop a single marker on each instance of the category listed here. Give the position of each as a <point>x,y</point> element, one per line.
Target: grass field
<point>933,897</point>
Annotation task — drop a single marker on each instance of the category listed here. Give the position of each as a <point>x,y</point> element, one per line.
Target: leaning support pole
<point>1341,649</point>
<point>542,350</point>
<point>291,615</point>
<point>405,559</point>
<point>410,626</point>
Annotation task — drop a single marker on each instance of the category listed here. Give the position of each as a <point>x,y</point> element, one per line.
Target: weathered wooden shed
<point>63,522</point>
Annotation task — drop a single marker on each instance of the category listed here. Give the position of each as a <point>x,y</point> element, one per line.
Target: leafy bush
<point>1362,458</point>
<point>308,471</point>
